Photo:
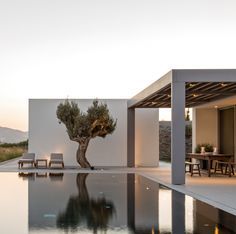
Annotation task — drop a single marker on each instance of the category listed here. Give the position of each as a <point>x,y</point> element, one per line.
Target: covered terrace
<point>180,89</point>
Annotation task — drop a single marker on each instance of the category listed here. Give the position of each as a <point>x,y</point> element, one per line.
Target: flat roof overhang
<point>201,86</point>
<point>179,89</point>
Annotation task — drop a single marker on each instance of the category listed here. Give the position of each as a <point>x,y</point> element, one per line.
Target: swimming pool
<point>102,203</point>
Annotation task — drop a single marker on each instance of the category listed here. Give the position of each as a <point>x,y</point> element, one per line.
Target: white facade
<point>146,137</point>
<point>205,127</point>
<point>46,135</point>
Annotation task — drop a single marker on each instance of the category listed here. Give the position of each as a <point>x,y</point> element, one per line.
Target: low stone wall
<point>165,139</point>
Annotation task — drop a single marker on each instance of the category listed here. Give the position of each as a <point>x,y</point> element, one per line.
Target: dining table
<point>209,157</point>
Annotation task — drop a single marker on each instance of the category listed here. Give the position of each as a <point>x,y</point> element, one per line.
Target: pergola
<point>179,89</point>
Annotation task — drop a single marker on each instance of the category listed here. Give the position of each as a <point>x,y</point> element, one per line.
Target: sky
<point>105,48</point>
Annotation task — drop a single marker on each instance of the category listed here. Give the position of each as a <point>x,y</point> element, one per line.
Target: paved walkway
<point>218,190</point>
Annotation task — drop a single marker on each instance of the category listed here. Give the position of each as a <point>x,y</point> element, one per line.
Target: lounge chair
<point>28,158</point>
<point>56,158</point>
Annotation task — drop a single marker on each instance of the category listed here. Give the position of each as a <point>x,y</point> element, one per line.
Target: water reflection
<point>75,203</point>
<point>95,213</point>
<point>98,203</point>
<point>27,175</point>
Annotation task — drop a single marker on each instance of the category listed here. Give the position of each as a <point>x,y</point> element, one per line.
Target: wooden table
<point>210,158</point>
<point>44,161</point>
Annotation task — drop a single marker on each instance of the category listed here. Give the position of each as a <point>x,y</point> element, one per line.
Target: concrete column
<point>131,138</point>
<point>178,212</point>
<point>178,132</point>
<point>194,129</point>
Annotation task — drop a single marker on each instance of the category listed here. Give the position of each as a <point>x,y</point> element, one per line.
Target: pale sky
<point>105,48</point>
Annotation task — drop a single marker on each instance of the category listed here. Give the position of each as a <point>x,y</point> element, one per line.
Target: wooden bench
<point>194,168</point>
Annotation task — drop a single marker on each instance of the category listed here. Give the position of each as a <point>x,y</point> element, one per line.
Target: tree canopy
<point>97,121</point>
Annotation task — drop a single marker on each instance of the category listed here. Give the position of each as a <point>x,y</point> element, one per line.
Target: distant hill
<point>9,135</point>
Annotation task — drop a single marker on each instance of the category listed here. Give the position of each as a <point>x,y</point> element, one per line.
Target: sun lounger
<point>28,158</point>
<point>56,158</point>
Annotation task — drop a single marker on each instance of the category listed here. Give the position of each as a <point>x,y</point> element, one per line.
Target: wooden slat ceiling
<point>197,93</point>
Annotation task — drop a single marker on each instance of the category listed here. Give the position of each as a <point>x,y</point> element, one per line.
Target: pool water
<point>102,203</point>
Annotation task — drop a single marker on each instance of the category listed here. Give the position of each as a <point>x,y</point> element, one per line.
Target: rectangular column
<point>131,138</point>
<point>178,132</point>
<point>194,129</point>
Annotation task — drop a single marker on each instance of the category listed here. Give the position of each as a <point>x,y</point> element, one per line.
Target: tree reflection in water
<point>81,210</point>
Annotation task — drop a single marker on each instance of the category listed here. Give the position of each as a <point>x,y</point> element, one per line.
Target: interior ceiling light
<point>216,107</point>
<point>195,95</point>
<point>223,84</point>
<point>191,85</point>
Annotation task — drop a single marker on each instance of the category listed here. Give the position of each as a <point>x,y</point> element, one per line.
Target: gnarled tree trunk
<point>81,154</point>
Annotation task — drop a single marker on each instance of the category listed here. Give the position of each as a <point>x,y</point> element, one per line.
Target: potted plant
<point>208,148</point>
<point>198,149</point>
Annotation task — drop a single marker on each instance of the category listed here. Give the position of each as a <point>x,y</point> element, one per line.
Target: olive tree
<point>84,126</point>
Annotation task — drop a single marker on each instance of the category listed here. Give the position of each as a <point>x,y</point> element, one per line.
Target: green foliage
<point>187,115</point>
<point>208,147</point>
<point>97,121</point>
<point>7,153</point>
<point>188,130</point>
<point>20,144</point>
<point>198,149</point>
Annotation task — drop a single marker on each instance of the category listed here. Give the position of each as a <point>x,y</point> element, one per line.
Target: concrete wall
<point>46,135</point>
<point>146,137</point>
<point>205,126</point>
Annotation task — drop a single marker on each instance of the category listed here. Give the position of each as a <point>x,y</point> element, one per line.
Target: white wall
<point>205,126</point>
<point>147,137</point>
<point>46,135</point>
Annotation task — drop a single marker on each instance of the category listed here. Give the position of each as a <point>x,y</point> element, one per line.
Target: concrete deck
<point>218,190</point>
